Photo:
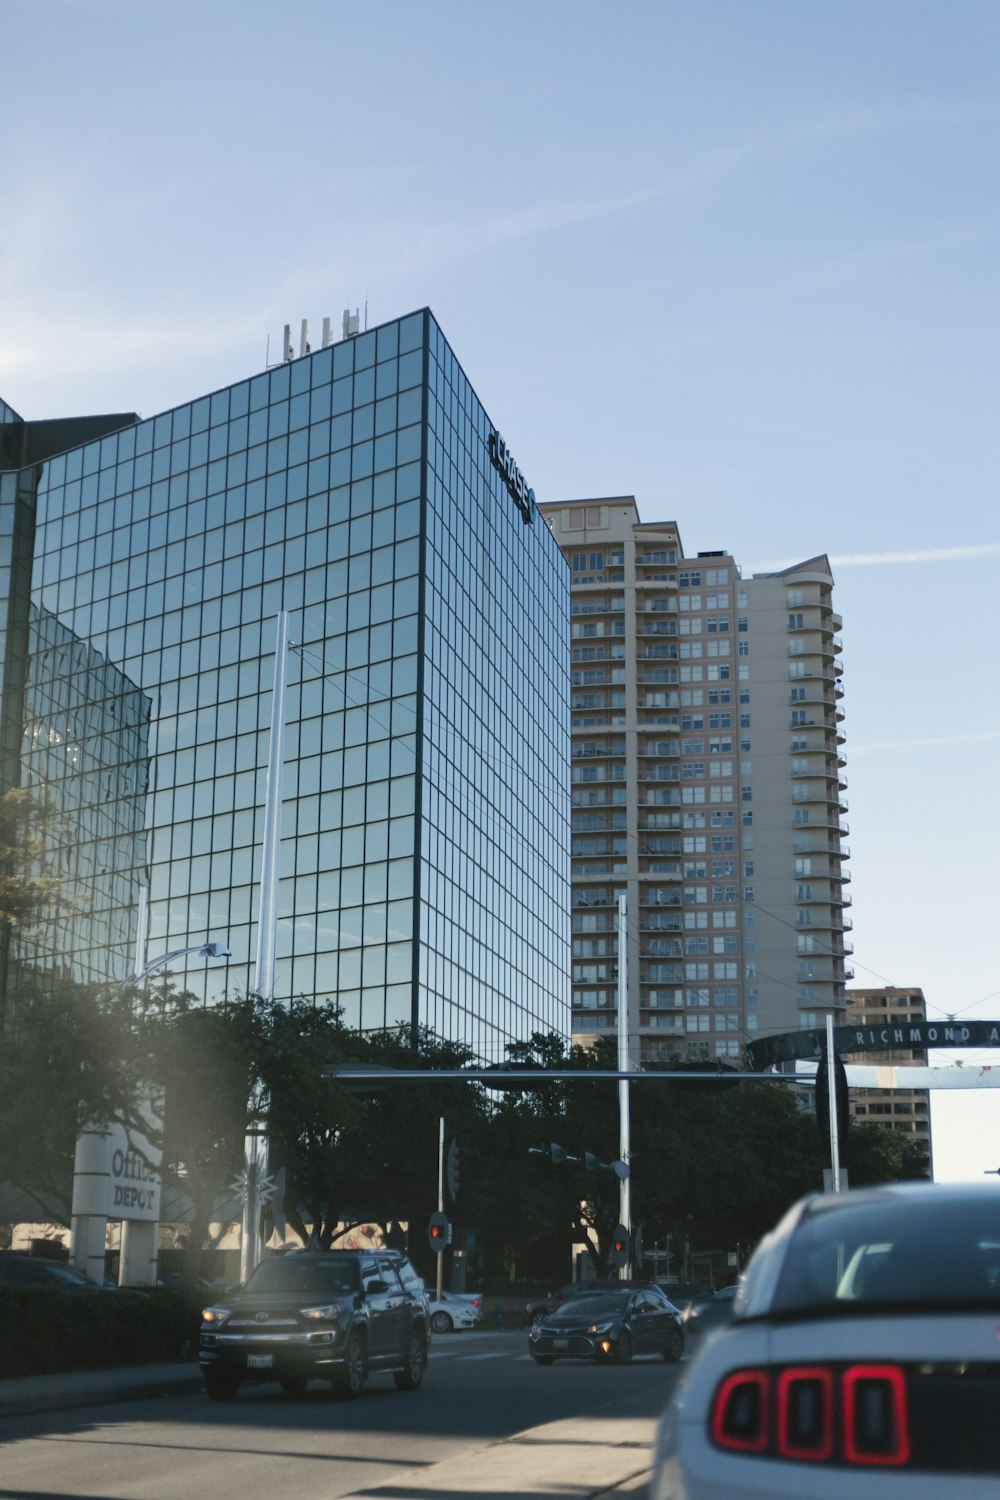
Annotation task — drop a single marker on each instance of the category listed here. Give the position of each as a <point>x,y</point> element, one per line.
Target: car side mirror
<point>376,1286</point>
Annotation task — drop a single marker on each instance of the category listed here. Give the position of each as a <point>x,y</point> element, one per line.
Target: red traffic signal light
<point>619,1247</point>
<point>438,1232</point>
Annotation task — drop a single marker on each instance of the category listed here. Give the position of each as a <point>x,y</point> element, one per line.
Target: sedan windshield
<point>608,1304</point>
<point>890,1251</point>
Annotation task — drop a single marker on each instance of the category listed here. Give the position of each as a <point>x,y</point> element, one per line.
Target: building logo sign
<point>517,486</point>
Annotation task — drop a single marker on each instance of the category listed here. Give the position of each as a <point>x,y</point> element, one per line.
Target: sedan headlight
<point>601,1328</point>
<point>328,1313</point>
<point>216,1315</point>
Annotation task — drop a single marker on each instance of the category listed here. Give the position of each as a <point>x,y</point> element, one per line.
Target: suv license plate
<point>260,1361</point>
<point>560,1343</point>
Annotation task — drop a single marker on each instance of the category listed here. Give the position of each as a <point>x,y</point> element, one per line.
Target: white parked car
<point>454,1310</point>
<point>862,1359</point>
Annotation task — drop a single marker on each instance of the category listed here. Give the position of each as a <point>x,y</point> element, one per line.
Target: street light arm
<point>205,950</point>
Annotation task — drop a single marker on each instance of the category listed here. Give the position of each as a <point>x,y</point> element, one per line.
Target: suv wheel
<point>221,1385</point>
<point>412,1373</point>
<point>350,1379</point>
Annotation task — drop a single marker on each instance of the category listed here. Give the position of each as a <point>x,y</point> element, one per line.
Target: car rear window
<point>890,1251</point>
<point>292,1275</point>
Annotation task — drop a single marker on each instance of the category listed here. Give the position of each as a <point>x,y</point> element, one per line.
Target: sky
<point>737,258</point>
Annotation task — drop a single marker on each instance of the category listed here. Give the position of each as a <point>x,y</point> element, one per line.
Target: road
<point>480,1388</point>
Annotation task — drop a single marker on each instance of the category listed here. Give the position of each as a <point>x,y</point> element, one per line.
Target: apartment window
<point>748,894</point>
<point>744,693</point>
<point>803,866</point>
<point>746,793</point>
<point>798,714</point>
<point>748,869</point>
<point>798,695</point>
<point>796,669</point>
<point>745,745</point>
<point>746,819</point>
<point>794,597</point>
<point>743,648</point>
<point>796,622</point>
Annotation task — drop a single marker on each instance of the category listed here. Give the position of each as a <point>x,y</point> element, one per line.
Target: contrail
<point>878,559</point>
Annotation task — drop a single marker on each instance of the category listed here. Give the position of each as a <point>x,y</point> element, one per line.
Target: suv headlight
<point>328,1313</point>
<point>216,1315</point>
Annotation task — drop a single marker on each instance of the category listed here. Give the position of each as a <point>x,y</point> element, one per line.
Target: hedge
<point>48,1329</point>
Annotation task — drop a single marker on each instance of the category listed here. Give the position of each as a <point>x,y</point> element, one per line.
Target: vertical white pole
<point>255,1147</point>
<point>267,913</point>
<point>831,1094</point>
<point>624,1065</point>
<point>440,1258</point>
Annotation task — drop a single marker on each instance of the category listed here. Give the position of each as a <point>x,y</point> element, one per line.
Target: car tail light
<point>876,1423</point>
<point>846,1414</point>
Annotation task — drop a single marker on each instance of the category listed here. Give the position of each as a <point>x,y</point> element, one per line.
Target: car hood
<point>574,1322</point>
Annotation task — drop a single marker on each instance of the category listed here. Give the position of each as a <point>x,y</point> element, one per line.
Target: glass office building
<point>425,836</point>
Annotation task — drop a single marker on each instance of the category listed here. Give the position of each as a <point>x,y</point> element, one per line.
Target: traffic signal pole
<point>440,1259</point>
<point>624,1065</point>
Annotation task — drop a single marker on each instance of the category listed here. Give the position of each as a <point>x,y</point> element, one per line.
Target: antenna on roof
<point>352,323</point>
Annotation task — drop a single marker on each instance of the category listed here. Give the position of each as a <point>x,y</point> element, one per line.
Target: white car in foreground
<point>454,1310</point>
<point>862,1361</point>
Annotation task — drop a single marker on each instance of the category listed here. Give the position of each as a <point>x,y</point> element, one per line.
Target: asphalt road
<point>479,1388</point>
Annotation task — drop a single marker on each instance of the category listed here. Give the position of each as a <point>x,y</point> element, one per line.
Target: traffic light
<point>619,1247</point>
<point>438,1232</point>
<point>452,1164</point>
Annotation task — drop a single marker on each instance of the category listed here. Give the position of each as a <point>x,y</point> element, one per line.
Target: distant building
<point>707,784</point>
<point>905,1110</point>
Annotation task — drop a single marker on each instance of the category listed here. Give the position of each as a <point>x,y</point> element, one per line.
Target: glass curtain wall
<point>170,546</point>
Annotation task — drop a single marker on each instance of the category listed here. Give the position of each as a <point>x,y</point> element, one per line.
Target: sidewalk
<point>578,1458</point>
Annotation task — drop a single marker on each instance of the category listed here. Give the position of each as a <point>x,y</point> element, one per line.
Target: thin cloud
<point>974,737</point>
<point>887,559</point>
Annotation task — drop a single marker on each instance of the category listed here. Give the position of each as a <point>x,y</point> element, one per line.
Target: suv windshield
<point>289,1274</point>
<point>892,1251</point>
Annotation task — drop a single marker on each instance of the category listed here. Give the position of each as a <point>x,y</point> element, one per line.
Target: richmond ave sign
<point>517,486</point>
<point>846,1039</point>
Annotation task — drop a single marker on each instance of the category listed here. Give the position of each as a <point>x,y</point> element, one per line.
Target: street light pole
<point>255,1143</point>
<point>624,1064</point>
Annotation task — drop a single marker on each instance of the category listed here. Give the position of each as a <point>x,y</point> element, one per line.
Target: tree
<point>61,1063</point>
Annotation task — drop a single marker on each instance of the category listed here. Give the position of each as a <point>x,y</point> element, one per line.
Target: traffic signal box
<point>619,1247</point>
<point>438,1232</point>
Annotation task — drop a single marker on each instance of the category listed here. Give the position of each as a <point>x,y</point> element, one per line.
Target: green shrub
<point>48,1329</point>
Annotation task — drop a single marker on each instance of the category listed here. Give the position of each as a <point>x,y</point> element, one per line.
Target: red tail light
<point>740,1412</point>
<point>854,1414</point>
<point>876,1422</point>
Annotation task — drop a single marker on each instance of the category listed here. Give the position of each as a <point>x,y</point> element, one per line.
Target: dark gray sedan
<point>610,1327</point>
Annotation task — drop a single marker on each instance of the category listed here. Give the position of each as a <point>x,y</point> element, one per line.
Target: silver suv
<point>336,1315</point>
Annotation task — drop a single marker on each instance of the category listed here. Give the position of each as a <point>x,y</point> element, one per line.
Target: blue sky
<point>735,257</point>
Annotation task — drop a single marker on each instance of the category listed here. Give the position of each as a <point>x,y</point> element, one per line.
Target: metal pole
<point>831,1094</point>
<point>440,1258</point>
<point>255,1143</point>
<point>267,913</point>
<point>624,1065</point>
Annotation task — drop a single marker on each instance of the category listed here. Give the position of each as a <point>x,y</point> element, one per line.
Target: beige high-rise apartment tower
<point>707,785</point>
